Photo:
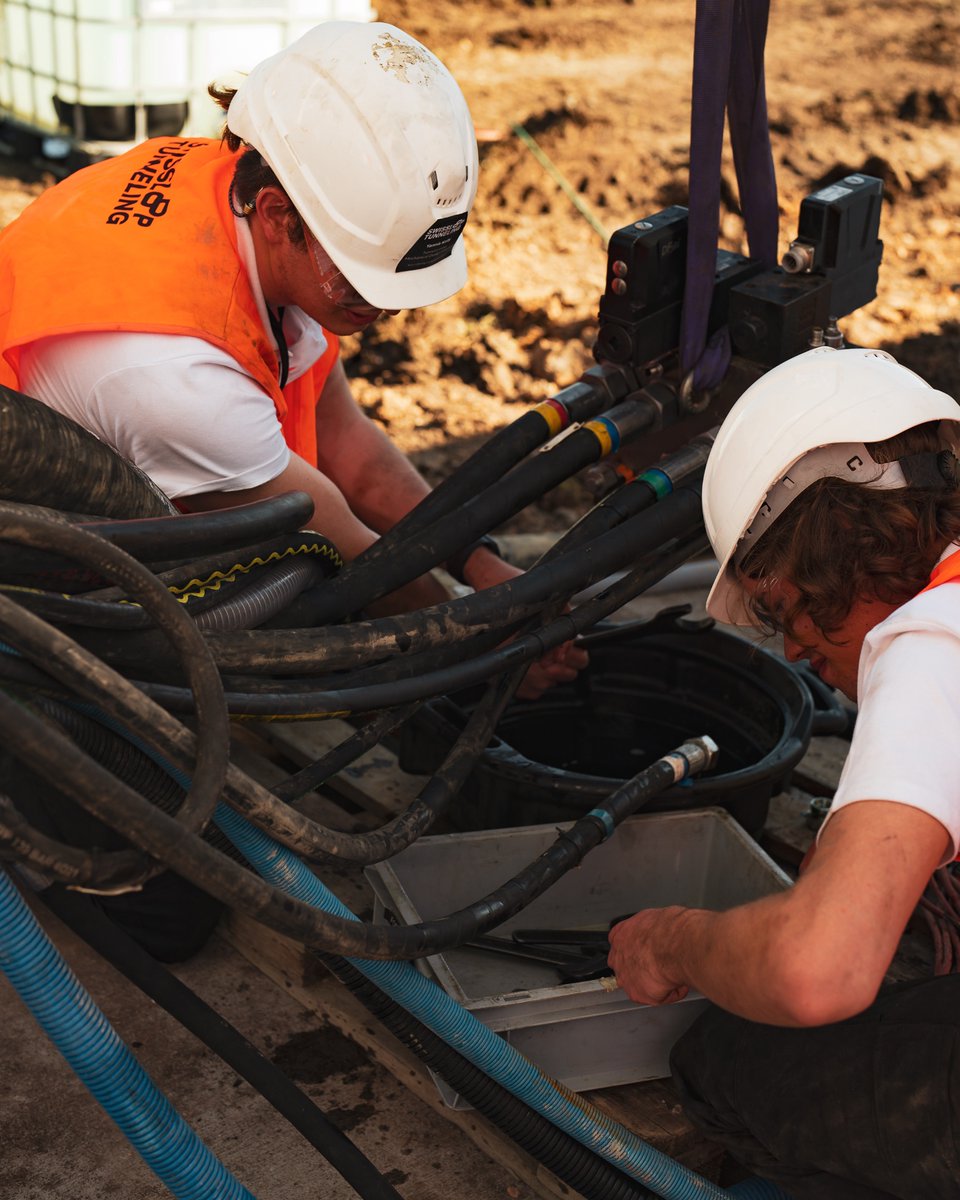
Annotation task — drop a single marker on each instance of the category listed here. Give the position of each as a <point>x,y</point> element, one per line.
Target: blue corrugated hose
<point>484,1048</point>
<point>85,1038</point>
<point>461,1030</point>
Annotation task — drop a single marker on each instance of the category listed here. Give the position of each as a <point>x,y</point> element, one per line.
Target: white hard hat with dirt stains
<point>372,140</point>
<point>823,397</point>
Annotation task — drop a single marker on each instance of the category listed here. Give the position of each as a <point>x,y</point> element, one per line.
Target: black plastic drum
<point>649,686</point>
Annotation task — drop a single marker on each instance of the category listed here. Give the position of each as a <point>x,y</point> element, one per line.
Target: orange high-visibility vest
<point>944,572</point>
<point>146,242</point>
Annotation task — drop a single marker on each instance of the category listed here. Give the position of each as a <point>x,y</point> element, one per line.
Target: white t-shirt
<point>906,743</point>
<point>184,411</point>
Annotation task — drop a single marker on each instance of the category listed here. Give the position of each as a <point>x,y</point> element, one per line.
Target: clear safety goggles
<point>333,283</point>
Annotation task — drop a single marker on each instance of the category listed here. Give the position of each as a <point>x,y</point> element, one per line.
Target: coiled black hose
<point>521,651</point>
<point>303,652</point>
<point>78,673</point>
<point>45,454</point>
<point>39,643</point>
<point>56,758</point>
<point>82,674</point>
<point>186,535</point>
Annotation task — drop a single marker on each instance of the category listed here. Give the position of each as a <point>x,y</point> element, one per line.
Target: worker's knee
<point>702,1066</point>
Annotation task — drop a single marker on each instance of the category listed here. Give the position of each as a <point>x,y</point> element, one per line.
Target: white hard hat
<point>372,140</point>
<point>822,398</point>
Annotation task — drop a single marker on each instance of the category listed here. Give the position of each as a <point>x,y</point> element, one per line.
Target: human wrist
<point>675,936</point>
<point>457,564</point>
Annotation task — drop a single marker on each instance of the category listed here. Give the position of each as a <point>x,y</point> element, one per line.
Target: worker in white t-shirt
<point>832,500</point>
<point>183,301</point>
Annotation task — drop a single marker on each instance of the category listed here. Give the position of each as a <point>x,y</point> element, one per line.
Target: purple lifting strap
<point>727,77</point>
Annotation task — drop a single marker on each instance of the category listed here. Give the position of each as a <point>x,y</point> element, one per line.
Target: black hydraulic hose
<point>58,759</point>
<point>405,666</point>
<point>337,647</point>
<point>205,1023</point>
<point>315,774</point>
<point>49,459</point>
<point>156,727</point>
<point>45,646</point>
<point>569,1160</point>
<point>185,535</point>
<point>357,586</point>
<point>74,667</point>
<point>162,541</point>
<point>646,489</point>
<point>597,389</point>
<point>287,652</point>
<point>656,529</point>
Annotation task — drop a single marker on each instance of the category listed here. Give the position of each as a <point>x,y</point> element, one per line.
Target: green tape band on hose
<point>662,484</point>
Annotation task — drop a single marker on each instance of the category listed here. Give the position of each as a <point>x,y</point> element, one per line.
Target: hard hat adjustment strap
<point>851,461</point>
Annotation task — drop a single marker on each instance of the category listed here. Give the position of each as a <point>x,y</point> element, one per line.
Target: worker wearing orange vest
<point>832,501</point>
<point>184,300</point>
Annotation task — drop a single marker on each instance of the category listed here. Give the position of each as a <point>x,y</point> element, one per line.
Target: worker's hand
<point>639,957</point>
<point>559,665</point>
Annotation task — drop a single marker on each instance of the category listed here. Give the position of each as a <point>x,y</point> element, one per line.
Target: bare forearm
<point>734,958</point>
<point>810,955</point>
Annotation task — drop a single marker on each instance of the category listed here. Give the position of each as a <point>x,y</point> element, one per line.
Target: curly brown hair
<point>840,542</point>
<point>252,173</point>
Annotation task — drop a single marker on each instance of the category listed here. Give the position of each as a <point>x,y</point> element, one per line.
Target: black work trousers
<point>865,1109</point>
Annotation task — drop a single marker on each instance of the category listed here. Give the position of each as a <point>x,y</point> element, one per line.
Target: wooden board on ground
<point>649,1109</point>
<point>377,790</point>
<point>374,783</point>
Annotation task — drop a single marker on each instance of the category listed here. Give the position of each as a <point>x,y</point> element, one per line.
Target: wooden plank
<point>374,783</point>
<point>649,1109</point>
<point>818,772</point>
<point>788,834</point>
<point>333,1002</point>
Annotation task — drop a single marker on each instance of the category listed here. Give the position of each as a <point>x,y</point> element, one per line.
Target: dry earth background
<point>604,85</point>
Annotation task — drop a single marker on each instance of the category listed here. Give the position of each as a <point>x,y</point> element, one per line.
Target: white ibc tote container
<point>105,73</point>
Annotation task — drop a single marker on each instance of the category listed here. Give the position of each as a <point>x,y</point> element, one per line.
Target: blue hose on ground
<point>82,1034</point>
<point>404,984</point>
<point>486,1049</point>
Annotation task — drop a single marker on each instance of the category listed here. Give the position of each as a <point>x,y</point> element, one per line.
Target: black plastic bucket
<point>649,686</point>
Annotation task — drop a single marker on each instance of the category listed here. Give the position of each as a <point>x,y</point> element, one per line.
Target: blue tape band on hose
<point>675,758</point>
<point>611,429</point>
<point>605,820</point>
<point>661,483</point>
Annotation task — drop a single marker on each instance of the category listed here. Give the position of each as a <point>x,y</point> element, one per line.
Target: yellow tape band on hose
<point>555,416</point>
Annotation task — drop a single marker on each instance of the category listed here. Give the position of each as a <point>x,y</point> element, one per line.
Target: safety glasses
<point>333,283</point>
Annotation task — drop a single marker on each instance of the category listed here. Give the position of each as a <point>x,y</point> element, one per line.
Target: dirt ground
<point>603,86</point>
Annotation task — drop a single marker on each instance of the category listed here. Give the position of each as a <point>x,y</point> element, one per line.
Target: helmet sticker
<point>434,245</point>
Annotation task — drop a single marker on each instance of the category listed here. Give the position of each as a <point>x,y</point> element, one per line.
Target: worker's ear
<point>278,217</point>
